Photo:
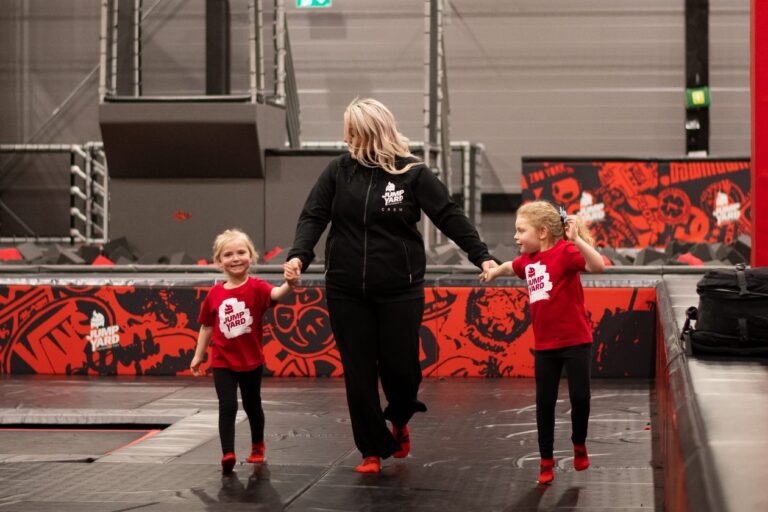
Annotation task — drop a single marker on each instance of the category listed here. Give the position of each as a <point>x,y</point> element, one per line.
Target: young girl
<point>554,249</point>
<point>230,320</point>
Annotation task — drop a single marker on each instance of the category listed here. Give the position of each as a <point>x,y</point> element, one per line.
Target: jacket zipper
<point>365,227</point>
<point>407,262</point>
<point>328,256</point>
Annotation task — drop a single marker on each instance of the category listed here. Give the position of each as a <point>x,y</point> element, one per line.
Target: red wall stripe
<point>759,83</point>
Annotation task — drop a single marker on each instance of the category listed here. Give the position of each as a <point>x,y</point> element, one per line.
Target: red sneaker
<point>402,436</point>
<point>547,471</point>
<point>369,465</point>
<point>580,457</point>
<point>257,453</point>
<point>228,462</point>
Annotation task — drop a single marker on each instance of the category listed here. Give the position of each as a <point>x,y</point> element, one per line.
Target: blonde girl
<point>554,249</point>
<point>230,322</point>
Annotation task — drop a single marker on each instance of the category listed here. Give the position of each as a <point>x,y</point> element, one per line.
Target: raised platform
<point>716,408</point>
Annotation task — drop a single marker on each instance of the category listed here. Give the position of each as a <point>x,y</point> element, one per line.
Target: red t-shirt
<point>235,315</point>
<point>556,296</point>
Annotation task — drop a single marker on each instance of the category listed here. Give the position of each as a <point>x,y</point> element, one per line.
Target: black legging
<point>378,339</point>
<point>549,364</point>
<point>226,382</point>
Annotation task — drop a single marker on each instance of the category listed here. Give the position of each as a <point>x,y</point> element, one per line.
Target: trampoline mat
<point>43,441</point>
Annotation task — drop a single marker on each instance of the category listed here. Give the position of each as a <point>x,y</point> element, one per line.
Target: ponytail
<point>544,214</point>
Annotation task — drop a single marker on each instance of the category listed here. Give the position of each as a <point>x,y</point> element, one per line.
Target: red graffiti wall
<point>467,331</point>
<point>647,203</point>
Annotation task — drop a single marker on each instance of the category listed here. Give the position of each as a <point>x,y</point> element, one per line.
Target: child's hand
<point>492,270</point>
<point>195,366</point>
<point>292,274</point>
<point>571,231</point>
<point>489,274</point>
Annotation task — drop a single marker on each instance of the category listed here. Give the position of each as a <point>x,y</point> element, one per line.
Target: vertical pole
<point>88,169</point>
<point>430,99</point>
<point>103,50</point>
<point>252,51</point>
<point>217,36</point>
<point>697,74</point>
<point>759,164</point>
<point>115,33</point>
<point>260,78</point>
<point>137,6</point>
<point>72,205</point>
<point>279,28</point>
<point>126,46</point>
<point>427,82</point>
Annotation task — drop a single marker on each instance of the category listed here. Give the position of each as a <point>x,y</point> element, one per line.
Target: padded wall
<point>152,330</point>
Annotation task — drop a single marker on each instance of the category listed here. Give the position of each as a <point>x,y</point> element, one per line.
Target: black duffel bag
<point>732,317</point>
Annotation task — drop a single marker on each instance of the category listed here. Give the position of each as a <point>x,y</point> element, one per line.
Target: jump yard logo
<point>101,337</point>
<point>392,196</point>
<point>538,281</point>
<point>234,318</point>
<point>726,212</point>
<point>589,210</point>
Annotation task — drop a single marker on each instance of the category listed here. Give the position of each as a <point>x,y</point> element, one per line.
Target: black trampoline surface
<point>50,441</point>
<point>474,450</point>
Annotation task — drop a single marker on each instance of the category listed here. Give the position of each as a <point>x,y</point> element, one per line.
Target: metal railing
<point>88,193</point>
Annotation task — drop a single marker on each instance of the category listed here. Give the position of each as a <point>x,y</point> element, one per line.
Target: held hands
<point>292,272</point>
<point>490,271</point>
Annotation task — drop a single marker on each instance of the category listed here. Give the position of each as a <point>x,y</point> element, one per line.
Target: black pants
<point>378,340</point>
<point>549,364</point>
<point>226,382</point>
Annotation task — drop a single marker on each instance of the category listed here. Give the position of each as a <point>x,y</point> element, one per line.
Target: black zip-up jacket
<point>374,245</point>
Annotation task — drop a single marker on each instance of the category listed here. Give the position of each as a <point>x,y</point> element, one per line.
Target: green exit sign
<point>313,3</point>
<point>697,98</point>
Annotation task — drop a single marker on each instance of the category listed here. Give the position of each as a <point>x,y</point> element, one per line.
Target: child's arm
<point>280,292</point>
<point>505,269</point>
<point>203,339</point>
<point>595,263</point>
<point>594,260</point>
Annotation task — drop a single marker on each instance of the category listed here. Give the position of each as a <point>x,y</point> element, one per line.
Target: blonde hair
<point>376,130</point>
<point>230,235</point>
<point>543,214</point>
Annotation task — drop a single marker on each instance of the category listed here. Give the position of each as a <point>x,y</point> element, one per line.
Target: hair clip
<point>563,215</point>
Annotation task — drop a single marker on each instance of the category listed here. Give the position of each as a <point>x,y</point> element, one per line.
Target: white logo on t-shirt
<point>234,318</point>
<point>537,278</point>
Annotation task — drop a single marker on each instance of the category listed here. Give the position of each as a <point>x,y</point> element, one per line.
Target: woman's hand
<point>489,273</point>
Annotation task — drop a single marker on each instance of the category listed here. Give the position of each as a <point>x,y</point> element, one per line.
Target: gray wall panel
<point>527,77</point>
<point>162,217</point>
<point>288,183</point>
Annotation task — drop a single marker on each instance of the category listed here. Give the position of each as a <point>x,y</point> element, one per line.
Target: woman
<point>375,264</point>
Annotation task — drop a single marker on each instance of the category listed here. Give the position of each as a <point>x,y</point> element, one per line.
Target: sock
<point>228,462</point>
<point>369,465</point>
<point>580,457</point>
<point>402,436</point>
<point>257,453</point>
<point>546,471</point>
